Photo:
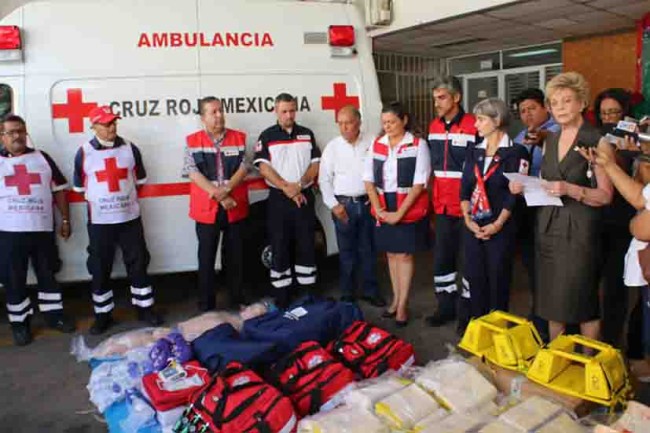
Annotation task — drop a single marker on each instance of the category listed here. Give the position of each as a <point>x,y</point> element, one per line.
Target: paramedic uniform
<point>27,182</point>
<point>108,177</point>
<point>290,226</point>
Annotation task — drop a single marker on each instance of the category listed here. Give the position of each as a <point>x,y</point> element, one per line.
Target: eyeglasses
<point>13,133</point>
<point>613,112</point>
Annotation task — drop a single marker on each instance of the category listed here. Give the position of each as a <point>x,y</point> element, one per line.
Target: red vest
<point>448,149</point>
<point>406,158</point>
<point>203,209</point>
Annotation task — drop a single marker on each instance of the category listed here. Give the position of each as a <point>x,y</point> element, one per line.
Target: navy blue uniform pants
<point>103,240</point>
<point>232,259</point>
<point>16,250</point>
<point>356,243</point>
<point>291,231</point>
<point>488,268</point>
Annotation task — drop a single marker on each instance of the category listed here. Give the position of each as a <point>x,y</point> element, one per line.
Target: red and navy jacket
<point>203,209</point>
<point>406,162</point>
<point>511,158</point>
<point>448,144</point>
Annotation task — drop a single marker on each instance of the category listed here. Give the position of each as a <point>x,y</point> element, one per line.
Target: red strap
<point>480,202</point>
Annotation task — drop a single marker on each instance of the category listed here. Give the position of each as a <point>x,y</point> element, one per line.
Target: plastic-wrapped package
<point>110,381</point>
<point>457,384</point>
<point>454,423</point>
<point>403,409</point>
<point>191,329</point>
<point>498,426</point>
<point>636,419</point>
<point>368,392</point>
<point>562,424</point>
<point>532,413</point>
<point>116,345</point>
<point>172,347</point>
<point>167,419</point>
<point>343,419</point>
<point>257,309</point>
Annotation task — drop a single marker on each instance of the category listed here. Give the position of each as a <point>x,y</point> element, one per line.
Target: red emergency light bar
<point>9,38</point>
<point>341,36</point>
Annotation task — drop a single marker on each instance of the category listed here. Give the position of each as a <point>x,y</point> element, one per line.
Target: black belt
<point>349,199</point>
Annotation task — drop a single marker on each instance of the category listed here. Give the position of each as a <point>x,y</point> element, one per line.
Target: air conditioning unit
<point>379,12</point>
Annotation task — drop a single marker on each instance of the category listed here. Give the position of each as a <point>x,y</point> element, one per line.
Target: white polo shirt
<point>341,168</point>
<point>633,274</point>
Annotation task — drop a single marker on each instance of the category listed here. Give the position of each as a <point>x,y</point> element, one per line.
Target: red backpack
<point>237,400</point>
<point>310,377</point>
<point>370,351</point>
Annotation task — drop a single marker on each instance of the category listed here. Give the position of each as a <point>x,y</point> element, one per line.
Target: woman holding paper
<point>567,248</point>
<point>487,206</point>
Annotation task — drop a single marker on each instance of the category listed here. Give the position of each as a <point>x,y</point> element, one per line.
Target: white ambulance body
<point>151,61</point>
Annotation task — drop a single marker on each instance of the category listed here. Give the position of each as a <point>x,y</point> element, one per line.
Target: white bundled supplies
<point>457,384</point>
<point>454,423</point>
<point>370,391</point>
<point>532,413</point>
<point>343,419</point>
<point>499,426</point>
<point>403,409</point>
<point>562,424</point>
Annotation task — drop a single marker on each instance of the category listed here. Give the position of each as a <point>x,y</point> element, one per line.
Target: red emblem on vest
<point>112,174</point>
<point>23,180</point>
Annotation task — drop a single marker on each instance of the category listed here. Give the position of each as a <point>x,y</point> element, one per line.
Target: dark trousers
<point>356,243</point>
<point>16,250</point>
<point>488,268</point>
<point>103,240</point>
<point>291,231</point>
<point>638,334</point>
<point>446,263</point>
<point>232,259</point>
<point>615,242</point>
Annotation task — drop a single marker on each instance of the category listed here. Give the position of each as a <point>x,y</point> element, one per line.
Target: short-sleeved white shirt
<point>633,274</point>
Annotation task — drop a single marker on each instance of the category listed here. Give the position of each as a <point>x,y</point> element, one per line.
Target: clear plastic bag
<point>635,419</point>
<point>368,392</point>
<point>110,381</point>
<point>454,423</point>
<point>116,345</point>
<point>404,408</point>
<point>192,329</point>
<point>257,309</point>
<point>343,419</point>
<point>458,385</point>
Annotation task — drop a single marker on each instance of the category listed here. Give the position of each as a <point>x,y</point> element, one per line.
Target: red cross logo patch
<point>112,174</point>
<point>339,100</point>
<point>75,110</point>
<point>22,179</point>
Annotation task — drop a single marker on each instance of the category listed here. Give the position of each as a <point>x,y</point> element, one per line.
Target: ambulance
<point>151,61</point>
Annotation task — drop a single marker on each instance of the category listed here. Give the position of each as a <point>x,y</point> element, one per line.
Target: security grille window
<point>6,102</point>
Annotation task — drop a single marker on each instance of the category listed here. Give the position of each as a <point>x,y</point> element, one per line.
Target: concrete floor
<point>43,388</point>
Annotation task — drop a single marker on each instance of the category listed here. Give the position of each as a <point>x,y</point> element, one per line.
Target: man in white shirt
<point>342,187</point>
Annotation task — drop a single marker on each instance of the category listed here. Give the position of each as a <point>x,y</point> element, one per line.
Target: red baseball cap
<point>103,115</point>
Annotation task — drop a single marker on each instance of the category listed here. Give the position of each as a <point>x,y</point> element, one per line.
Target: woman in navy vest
<point>396,174</point>
<point>487,204</point>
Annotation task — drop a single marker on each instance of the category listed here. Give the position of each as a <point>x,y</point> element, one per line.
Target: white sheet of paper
<point>534,193</point>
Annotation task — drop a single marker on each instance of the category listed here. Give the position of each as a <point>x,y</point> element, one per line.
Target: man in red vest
<point>214,162</point>
<point>108,169</point>
<point>30,182</point>
<point>451,134</point>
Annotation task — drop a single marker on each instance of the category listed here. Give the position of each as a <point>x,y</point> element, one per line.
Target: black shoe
<point>149,316</point>
<point>61,323</point>
<point>388,314</point>
<point>401,323</point>
<point>102,323</point>
<point>348,298</point>
<point>21,333</point>
<point>375,301</point>
<point>438,320</point>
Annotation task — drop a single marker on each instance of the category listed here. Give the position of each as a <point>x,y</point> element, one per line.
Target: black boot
<point>60,322</point>
<point>149,316</point>
<point>463,315</point>
<point>103,321</point>
<point>22,333</point>
<point>446,310</point>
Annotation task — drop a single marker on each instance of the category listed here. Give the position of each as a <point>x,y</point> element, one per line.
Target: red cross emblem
<point>112,174</point>
<point>339,100</point>
<point>75,110</point>
<point>22,179</point>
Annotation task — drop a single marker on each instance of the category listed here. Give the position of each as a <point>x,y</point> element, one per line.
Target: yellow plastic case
<point>503,339</point>
<point>601,378</point>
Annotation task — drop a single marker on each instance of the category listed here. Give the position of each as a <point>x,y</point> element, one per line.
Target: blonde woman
<point>567,249</point>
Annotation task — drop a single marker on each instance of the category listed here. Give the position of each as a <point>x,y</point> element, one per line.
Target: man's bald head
<point>349,121</point>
